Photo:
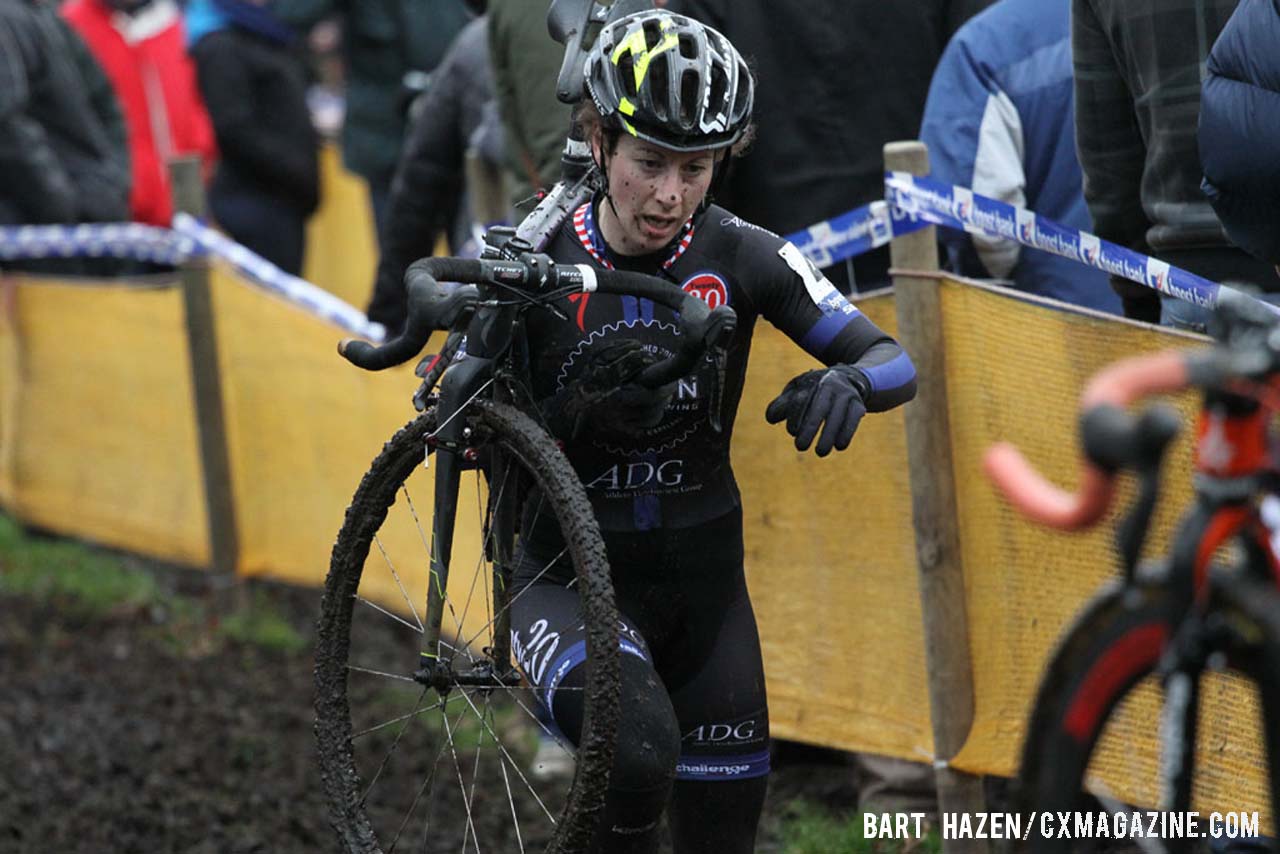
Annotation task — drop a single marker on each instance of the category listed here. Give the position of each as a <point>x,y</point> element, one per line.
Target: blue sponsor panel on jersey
<point>837,312</point>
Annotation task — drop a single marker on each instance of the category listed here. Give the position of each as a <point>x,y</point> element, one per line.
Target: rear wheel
<point>424,756</point>
<point>1090,755</point>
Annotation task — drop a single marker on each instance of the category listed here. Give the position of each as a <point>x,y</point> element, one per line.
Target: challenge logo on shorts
<point>708,287</point>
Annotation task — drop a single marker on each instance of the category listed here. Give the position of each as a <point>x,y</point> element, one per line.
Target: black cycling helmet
<point>670,80</point>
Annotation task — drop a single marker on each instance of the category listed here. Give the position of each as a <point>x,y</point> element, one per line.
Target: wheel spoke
<point>511,802</point>
<point>426,784</point>
<point>386,757</point>
<point>462,786</point>
<point>514,765</point>
<point>507,607</point>
<point>403,592</point>
<point>377,727</point>
<point>375,606</point>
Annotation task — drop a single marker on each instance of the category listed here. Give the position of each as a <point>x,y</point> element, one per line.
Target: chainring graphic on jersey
<point>676,425</point>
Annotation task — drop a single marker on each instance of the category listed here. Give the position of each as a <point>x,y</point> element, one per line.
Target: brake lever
<point>720,328</point>
<point>719,356</point>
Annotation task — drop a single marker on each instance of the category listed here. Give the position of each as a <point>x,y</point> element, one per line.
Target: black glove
<point>832,395</point>
<point>605,398</point>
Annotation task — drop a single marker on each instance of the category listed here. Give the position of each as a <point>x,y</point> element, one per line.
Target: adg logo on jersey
<point>639,475</point>
<point>708,287</point>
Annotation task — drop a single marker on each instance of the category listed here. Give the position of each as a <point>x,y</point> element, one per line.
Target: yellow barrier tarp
<point>831,566</point>
<point>1015,371</point>
<point>98,439</point>
<point>302,427</point>
<point>99,434</point>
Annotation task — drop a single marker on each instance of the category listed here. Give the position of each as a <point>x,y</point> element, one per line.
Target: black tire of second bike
<point>1114,632</point>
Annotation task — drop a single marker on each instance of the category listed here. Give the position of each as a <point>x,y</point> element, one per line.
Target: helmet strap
<point>718,176</point>
<point>603,166</point>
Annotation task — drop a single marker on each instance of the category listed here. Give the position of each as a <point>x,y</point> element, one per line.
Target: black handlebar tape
<point>649,287</point>
<point>430,308</point>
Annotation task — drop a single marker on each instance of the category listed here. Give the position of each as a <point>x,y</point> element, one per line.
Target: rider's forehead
<point>648,149</point>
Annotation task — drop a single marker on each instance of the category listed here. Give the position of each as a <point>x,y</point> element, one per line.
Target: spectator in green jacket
<point>525,62</point>
<point>391,47</point>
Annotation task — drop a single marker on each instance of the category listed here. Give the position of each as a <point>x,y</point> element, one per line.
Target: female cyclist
<point>669,100</point>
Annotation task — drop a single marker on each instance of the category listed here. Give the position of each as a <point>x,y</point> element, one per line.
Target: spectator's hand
<point>828,396</point>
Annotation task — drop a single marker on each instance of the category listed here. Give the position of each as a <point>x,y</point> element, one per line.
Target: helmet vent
<point>626,73</point>
<point>688,47</point>
<point>659,89</point>
<point>688,98</point>
<point>652,34</point>
<point>719,88</point>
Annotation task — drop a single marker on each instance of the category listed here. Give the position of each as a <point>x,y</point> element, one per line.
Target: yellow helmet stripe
<point>641,55</point>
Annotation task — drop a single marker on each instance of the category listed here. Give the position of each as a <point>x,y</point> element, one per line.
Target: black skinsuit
<point>694,726</point>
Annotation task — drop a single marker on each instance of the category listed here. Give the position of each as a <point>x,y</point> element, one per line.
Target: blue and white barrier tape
<point>852,233</point>
<point>261,271</point>
<point>189,238</point>
<point>911,203</point>
<point>958,207</point>
<point>96,240</point>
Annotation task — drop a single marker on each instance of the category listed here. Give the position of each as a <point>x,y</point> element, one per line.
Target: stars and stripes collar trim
<point>584,224</point>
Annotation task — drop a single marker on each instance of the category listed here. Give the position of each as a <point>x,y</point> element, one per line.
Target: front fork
<point>455,452</point>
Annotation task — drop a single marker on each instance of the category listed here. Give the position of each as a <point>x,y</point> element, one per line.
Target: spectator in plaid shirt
<point>1138,66</point>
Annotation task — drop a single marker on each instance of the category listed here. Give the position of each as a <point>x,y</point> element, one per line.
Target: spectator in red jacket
<point>141,46</point>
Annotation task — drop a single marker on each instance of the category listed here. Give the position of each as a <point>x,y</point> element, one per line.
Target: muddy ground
<point>140,729</point>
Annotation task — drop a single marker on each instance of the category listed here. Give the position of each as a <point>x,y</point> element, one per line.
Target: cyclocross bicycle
<point>414,665</point>
<point>1210,605</point>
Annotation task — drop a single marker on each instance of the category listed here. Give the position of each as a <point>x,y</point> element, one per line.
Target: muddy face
<point>654,191</point>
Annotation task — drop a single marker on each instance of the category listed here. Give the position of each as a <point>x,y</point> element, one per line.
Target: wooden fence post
<point>933,506</point>
<point>202,345</point>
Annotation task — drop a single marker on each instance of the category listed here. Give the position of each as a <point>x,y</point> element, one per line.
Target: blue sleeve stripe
<point>824,332</point>
<point>722,767</point>
<point>895,373</point>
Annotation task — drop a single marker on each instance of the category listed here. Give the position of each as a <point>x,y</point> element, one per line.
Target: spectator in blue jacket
<point>1240,128</point>
<point>999,120</point>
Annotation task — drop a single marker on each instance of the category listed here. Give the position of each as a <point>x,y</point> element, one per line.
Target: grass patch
<point>262,626</point>
<point>810,829</point>
<point>94,582</point>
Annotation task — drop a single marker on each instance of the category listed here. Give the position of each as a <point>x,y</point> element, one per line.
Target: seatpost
<point>577,182</point>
